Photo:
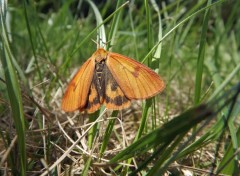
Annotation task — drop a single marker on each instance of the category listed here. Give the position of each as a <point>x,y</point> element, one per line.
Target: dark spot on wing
<point>114,86</point>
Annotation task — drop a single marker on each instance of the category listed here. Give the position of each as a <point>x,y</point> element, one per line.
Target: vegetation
<point>191,128</point>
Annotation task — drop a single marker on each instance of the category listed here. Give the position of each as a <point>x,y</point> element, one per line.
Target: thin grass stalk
<point>86,167</point>
<point>148,102</point>
<point>179,24</point>
<point>130,12</point>
<point>31,40</point>
<point>108,133</point>
<point>201,54</point>
<point>101,34</point>
<point>155,64</point>
<point>165,153</point>
<point>170,56</point>
<point>227,121</point>
<point>229,163</point>
<point>224,34</point>
<point>15,97</point>
<point>114,25</point>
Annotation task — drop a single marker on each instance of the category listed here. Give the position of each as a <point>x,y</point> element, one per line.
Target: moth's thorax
<point>99,66</point>
<point>100,55</point>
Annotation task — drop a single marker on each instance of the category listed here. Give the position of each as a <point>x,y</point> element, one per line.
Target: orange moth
<point>111,79</point>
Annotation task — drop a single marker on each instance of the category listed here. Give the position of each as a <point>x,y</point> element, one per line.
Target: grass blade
<point>200,61</point>
<point>15,98</point>
<point>179,125</point>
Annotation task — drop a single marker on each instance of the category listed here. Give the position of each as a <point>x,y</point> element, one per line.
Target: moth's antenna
<point>98,45</point>
<point>105,44</point>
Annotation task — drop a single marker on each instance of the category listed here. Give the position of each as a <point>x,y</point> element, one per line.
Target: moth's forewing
<point>77,91</point>
<point>136,80</point>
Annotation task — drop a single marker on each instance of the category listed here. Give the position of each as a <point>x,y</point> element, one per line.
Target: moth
<point>111,79</point>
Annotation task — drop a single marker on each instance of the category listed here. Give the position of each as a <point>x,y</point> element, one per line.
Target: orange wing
<point>76,94</point>
<point>136,80</point>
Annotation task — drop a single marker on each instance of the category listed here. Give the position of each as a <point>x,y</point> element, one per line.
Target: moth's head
<point>100,55</point>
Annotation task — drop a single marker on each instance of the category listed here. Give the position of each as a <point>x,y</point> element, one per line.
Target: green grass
<point>193,125</point>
